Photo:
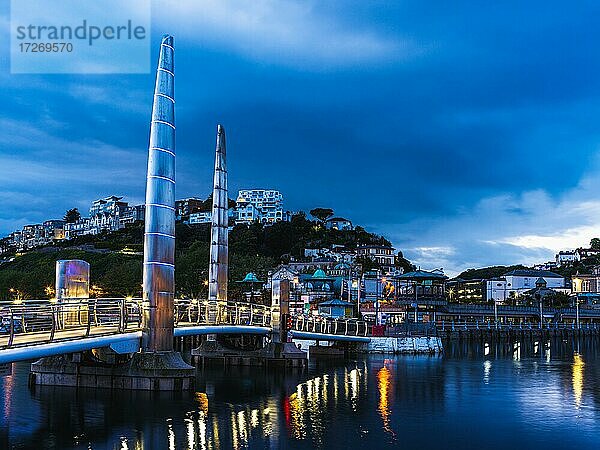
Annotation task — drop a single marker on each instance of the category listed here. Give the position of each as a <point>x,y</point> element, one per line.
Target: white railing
<point>330,325</point>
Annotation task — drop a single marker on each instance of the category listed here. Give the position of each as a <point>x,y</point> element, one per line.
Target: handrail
<point>476,325</point>
<point>44,321</point>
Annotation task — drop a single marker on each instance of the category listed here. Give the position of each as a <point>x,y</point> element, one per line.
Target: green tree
<point>595,243</point>
<point>72,215</point>
<point>321,214</point>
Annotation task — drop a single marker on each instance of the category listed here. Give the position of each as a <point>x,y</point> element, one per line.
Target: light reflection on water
<point>476,396</point>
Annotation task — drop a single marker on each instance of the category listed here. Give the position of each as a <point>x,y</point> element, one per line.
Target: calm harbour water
<point>533,396</point>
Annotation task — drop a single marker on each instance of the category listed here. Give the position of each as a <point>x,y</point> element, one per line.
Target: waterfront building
<point>336,308</point>
<point>465,291</point>
<point>541,291</point>
<point>524,279</point>
<point>338,223</point>
<point>516,282</point>
<point>586,287</point>
<point>401,296</point>
<point>252,288</point>
<point>316,288</point>
<point>297,304</point>
<point>496,289</point>
<point>268,203</point>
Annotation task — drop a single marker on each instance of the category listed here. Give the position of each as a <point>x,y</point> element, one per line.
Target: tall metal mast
<point>218,271</point>
<point>159,234</point>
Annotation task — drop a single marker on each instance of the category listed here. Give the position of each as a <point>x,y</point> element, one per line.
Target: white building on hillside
<point>565,257</point>
<point>105,214</point>
<point>268,202</point>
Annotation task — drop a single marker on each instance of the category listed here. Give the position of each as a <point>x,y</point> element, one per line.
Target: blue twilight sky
<point>466,132</point>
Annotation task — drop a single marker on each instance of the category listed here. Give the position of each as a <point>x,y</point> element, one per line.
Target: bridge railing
<point>190,312</point>
<point>477,325</point>
<point>43,321</point>
<point>330,325</point>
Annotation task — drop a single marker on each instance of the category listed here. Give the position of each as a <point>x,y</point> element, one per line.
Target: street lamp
<point>539,297</point>
<point>416,302</point>
<point>377,298</point>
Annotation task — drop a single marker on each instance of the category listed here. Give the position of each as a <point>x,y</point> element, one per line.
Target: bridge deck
<point>40,328</point>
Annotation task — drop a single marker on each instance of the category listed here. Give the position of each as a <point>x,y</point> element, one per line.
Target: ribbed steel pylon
<point>159,234</point>
<point>218,271</point>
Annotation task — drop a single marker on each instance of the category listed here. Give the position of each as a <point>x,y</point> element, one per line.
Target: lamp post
<point>416,302</point>
<point>495,310</point>
<point>577,310</point>
<point>377,298</point>
<point>541,311</point>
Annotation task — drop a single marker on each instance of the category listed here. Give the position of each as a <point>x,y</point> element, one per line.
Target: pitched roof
<point>532,273</point>
<point>336,302</point>
<point>423,275</point>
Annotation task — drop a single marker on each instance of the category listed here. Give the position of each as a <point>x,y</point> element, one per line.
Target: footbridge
<point>41,328</point>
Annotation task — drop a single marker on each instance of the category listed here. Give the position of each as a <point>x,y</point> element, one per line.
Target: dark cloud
<point>438,106</point>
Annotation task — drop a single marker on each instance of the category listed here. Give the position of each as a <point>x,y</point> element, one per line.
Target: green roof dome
<point>319,273</point>
<point>250,278</point>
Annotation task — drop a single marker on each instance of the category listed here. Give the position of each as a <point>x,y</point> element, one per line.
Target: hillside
<point>116,261</point>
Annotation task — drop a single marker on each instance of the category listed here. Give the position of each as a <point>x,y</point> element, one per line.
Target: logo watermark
<point>80,36</point>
